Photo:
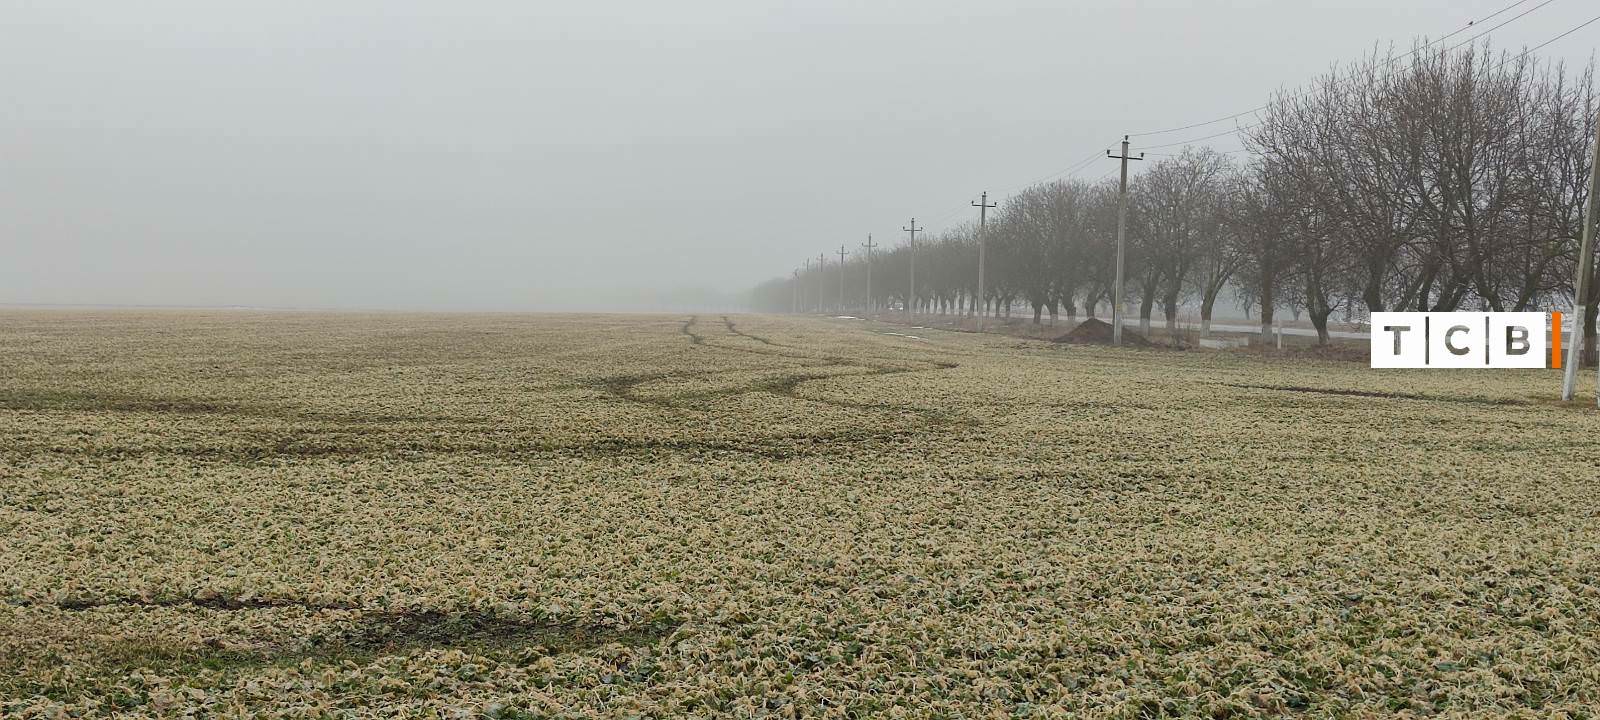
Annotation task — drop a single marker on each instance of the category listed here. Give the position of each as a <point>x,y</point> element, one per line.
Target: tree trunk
<point>1319,319</point>
<point>1145,304</point>
<point>1589,344</point>
<point>1266,298</point>
<point>1372,295</point>
<point>1169,309</point>
<point>1316,308</point>
<point>1205,314</point>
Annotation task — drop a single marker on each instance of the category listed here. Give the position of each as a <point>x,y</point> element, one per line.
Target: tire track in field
<point>625,387</point>
<point>881,367</point>
<point>832,359</point>
<point>687,329</point>
<point>789,386</point>
<point>345,631</point>
<point>783,377</point>
<point>726,321</point>
<point>1381,394</point>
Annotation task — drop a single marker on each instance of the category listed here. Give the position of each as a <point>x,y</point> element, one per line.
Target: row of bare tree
<point>1433,180</point>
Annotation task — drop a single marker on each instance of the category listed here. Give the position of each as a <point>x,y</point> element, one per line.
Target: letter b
<point>1517,340</point>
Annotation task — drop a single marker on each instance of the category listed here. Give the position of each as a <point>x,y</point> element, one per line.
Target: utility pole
<point>1122,230</point>
<point>794,302</point>
<point>1569,378</point>
<point>869,246</point>
<point>983,216</point>
<point>802,287</point>
<point>911,294</point>
<point>822,279</point>
<point>842,253</point>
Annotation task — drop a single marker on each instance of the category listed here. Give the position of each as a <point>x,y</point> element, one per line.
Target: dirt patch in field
<point>1376,394</point>
<point>389,632</point>
<point>1099,332</point>
<point>367,635</point>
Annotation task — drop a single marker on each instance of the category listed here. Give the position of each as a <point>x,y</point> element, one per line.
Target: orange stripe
<point>1555,341</point>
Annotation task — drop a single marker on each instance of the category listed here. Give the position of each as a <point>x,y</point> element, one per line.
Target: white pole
<point>983,217</point>
<point>1122,228</point>
<point>1581,284</point>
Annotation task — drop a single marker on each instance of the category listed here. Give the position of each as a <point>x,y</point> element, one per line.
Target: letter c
<point>1452,346</point>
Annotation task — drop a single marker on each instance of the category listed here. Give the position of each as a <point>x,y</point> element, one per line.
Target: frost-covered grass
<point>529,516</point>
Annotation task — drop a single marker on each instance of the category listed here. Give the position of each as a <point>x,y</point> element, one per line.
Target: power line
<point>1192,126</point>
<point>1078,166</point>
<point>1470,24</point>
<point>1234,151</point>
<point>1580,26</point>
<point>1518,16</point>
<point>1457,46</point>
<point>1070,169</point>
<point>942,218</point>
<point>1089,159</point>
<point>1208,137</point>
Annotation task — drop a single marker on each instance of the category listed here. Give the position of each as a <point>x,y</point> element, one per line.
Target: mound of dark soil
<point>1098,332</point>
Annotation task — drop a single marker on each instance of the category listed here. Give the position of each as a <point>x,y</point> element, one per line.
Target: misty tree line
<point>1436,180</point>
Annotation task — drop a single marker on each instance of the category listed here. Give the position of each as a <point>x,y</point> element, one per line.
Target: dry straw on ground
<point>288,515</point>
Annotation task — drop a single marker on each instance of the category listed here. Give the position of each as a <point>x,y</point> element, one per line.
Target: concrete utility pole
<point>983,217</point>
<point>869,246</point>
<point>822,279</point>
<point>802,288</point>
<point>794,302</point>
<point>841,278</point>
<point>911,294</point>
<point>1569,380</point>
<point>1122,230</point>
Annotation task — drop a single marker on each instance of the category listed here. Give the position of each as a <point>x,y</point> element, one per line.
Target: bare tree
<point>1258,226</point>
<point>1433,180</point>
<point>1218,252</point>
<point>1175,202</point>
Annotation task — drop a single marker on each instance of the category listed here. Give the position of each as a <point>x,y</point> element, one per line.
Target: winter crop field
<point>302,515</point>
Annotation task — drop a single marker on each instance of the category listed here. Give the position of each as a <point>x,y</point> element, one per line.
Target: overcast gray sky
<point>498,154</point>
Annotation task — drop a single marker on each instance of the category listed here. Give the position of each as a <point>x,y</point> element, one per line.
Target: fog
<point>479,155</point>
